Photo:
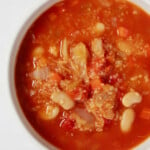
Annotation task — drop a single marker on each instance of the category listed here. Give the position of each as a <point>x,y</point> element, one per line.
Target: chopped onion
<point>40,74</point>
<point>84,114</point>
<point>62,99</point>
<point>79,56</point>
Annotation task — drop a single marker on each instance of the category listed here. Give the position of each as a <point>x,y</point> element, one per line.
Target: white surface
<point>13,134</point>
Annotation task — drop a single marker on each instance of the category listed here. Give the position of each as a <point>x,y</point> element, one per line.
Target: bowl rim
<point>11,72</point>
<point>144,4</point>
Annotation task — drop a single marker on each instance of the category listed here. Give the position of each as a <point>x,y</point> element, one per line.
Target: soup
<point>83,75</point>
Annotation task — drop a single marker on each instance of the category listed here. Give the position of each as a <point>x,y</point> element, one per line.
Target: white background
<point>13,134</point>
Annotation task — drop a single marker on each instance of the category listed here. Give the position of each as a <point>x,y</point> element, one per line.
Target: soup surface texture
<point>83,75</point>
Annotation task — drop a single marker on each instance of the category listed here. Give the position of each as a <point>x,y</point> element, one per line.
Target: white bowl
<point>145,4</point>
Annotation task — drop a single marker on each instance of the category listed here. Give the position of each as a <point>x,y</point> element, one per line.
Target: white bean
<point>38,52</point>
<point>125,46</point>
<point>49,113</point>
<point>63,100</point>
<point>131,98</point>
<point>127,120</point>
<point>99,28</point>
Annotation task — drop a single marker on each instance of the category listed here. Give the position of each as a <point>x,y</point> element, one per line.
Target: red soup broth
<point>83,75</point>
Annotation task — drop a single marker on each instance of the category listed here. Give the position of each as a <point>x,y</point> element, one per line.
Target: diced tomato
<point>120,95</point>
<point>80,94</point>
<point>107,122</point>
<point>145,114</point>
<point>96,84</point>
<point>106,72</point>
<point>67,124</point>
<point>55,77</point>
<point>123,32</point>
<point>118,103</point>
